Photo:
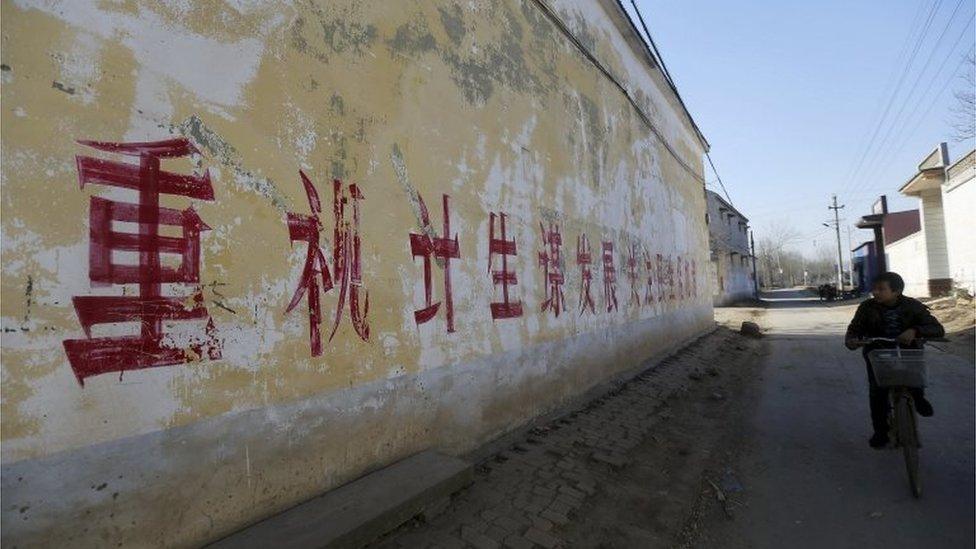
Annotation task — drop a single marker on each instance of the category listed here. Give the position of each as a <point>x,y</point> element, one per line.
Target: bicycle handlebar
<point>922,340</point>
<point>895,340</point>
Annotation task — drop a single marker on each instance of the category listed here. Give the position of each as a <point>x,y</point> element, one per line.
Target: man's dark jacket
<point>869,319</point>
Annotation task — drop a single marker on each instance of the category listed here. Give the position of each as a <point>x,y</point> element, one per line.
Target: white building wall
<point>958,200</point>
<point>933,227</point>
<point>731,280</point>
<point>907,257</point>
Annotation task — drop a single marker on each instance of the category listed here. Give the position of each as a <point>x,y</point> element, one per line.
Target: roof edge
<point>727,205</point>
<point>656,64</point>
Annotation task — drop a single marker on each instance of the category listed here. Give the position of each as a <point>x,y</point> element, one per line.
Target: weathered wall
<point>731,279</point>
<point>193,400</point>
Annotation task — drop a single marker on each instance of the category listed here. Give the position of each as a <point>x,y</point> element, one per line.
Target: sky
<point>790,93</point>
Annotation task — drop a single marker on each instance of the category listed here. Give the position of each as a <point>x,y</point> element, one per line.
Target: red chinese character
<point>649,289</point>
<point>93,356</point>
<point>505,308</point>
<point>633,276</point>
<point>680,276</point>
<point>665,278</point>
<point>346,262</point>
<point>551,261</point>
<point>609,277</point>
<point>694,278</point>
<point>425,245</point>
<point>584,259</point>
<point>669,277</point>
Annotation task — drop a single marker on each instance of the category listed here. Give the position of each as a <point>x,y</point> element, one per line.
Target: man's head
<point>886,287</point>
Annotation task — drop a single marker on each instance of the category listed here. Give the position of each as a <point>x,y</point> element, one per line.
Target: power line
<point>898,145</point>
<point>897,89</point>
<point>896,121</point>
<point>715,171</point>
<point>901,138</point>
<point>674,87</point>
<point>657,54</point>
<point>645,118</point>
<point>888,84</point>
<point>935,101</point>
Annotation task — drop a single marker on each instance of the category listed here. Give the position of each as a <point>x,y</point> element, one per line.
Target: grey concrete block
<point>358,512</point>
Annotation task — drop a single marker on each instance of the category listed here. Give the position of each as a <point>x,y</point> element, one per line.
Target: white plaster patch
<point>112,406</point>
<point>79,67</point>
<point>213,70</point>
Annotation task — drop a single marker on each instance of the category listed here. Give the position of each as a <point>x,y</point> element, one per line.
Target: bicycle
<point>901,370</point>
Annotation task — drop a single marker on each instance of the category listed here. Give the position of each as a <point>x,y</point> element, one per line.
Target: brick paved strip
<point>539,537</point>
<point>525,494</point>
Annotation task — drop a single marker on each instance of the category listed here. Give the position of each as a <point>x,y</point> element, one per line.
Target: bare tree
<point>778,267</point>
<point>964,111</point>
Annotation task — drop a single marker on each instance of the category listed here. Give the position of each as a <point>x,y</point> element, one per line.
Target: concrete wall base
<point>188,485</point>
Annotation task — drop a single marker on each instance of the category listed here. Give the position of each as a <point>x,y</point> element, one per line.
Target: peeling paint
<point>412,38</point>
<point>488,103</point>
<point>453,20</point>
<point>222,151</point>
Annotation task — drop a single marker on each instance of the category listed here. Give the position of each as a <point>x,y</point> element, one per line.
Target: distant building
<point>875,222</point>
<point>864,265</point>
<point>730,269</point>
<point>933,247</point>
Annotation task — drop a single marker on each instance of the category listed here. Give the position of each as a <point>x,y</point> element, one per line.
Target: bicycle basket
<point>898,367</point>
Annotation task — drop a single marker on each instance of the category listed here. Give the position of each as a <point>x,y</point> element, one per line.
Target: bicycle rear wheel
<point>908,438</point>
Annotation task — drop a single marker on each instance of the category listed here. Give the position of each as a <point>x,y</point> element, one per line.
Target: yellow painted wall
<point>489,102</point>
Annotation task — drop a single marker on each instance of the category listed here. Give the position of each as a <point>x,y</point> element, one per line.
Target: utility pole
<point>850,256</point>
<point>840,253</point>
<point>755,277</point>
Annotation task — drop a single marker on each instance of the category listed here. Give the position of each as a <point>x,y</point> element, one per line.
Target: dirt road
<point>803,474</point>
<point>778,426</point>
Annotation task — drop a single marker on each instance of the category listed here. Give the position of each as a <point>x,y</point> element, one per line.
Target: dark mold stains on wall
<point>596,138</point>
<point>412,38</point>
<point>453,21</point>
<point>336,32</point>
<point>500,62</point>
<point>336,105</point>
<point>513,58</point>
<point>223,152</point>
<point>341,36</point>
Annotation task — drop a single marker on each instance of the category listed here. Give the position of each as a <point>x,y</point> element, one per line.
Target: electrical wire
<point>891,99</point>
<point>885,142</point>
<point>583,50</point>
<point>900,137</point>
<point>888,84</point>
<point>656,53</point>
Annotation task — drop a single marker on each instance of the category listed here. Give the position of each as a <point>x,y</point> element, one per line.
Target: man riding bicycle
<point>890,314</point>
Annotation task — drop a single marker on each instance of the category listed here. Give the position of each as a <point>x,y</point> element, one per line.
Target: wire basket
<point>898,367</point>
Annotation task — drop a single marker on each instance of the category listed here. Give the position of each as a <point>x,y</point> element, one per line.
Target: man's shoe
<point>923,407</point>
<point>879,440</point>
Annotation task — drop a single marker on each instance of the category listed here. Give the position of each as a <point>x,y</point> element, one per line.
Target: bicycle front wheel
<point>908,438</point>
